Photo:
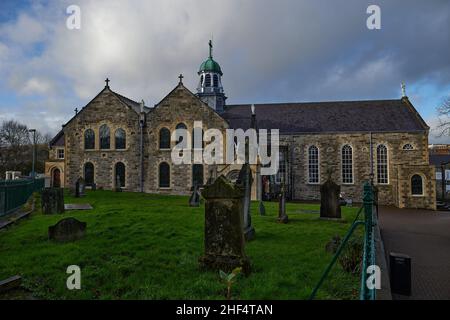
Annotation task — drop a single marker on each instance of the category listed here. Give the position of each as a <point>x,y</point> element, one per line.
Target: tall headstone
<point>330,207</point>
<point>79,188</point>
<point>224,240</point>
<point>245,181</point>
<point>194,200</point>
<point>118,187</point>
<point>282,216</point>
<point>68,229</point>
<point>52,200</point>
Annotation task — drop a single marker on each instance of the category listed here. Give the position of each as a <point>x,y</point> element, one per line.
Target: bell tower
<point>210,88</point>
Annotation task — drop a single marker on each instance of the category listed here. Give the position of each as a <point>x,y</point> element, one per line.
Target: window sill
<point>164,188</point>
<point>165,149</point>
<point>417,195</point>
<point>313,183</point>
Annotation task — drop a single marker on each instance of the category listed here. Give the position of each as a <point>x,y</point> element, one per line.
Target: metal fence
<point>370,208</point>
<point>15,193</point>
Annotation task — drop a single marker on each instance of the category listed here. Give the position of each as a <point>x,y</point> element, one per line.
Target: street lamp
<point>34,151</point>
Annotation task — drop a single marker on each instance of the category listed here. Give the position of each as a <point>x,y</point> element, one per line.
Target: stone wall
<point>108,109</point>
<point>179,106</point>
<point>330,146</point>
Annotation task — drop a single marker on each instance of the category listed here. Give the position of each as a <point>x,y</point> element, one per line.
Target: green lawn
<point>141,246</point>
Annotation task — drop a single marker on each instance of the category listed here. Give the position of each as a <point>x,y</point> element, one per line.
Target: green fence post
<point>369,254</point>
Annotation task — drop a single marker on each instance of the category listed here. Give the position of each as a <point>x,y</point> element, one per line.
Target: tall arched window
<point>119,175</point>
<point>347,164</point>
<point>89,139</point>
<point>215,80</point>
<point>197,174</point>
<point>164,138</point>
<point>313,164</point>
<point>382,164</point>
<point>416,185</point>
<point>120,139</point>
<point>208,80</point>
<point>88,173</point>
<point>105,139</point>
<point>164,175</point>
<point>201,81</point>
<point>180,126</point>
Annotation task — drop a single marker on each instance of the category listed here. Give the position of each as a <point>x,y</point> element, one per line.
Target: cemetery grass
<point>141,246</point>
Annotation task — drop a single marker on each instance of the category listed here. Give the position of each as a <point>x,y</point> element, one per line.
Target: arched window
<point>216,80</point>
<point>408,146</point>
<point>89,139</point>
<point>197,174</point>
<point>382,164</point>
<point>119,175</point>
<point>180,126</point>
<point>89,173</point>
<point>164,138</point>
<point>201,81</point>
<point>347,164</point>
<point>120,139</point>
<point>313,164</point>
<point>416,185</point>
<point>105,140</point>
<point>164,175</point>
<point>208,80</point>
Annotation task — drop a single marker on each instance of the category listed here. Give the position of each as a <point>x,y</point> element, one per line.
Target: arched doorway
<point>56,178</point>
<point>89,174</point>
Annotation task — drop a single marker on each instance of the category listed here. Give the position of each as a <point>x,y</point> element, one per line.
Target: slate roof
<point>136,106</point>
<point>337,116</point>
<point>438,159</point>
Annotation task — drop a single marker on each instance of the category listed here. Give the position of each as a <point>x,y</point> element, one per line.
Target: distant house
<point>440,159</point>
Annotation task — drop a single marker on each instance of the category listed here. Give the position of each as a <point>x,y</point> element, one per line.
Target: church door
<point>56,178</point>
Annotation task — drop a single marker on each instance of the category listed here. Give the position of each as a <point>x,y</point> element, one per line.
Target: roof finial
<point>107,82</point>
<point>403,90</point>
<point>181,78</point>
<point>210,48</point>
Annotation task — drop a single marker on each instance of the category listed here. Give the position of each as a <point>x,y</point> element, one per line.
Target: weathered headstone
<point>245,180</point>
<point>68,229</point>
<point>282,216</point>
<point>52,200</point>
<point>262,208</point>
<point>224,240</point>
<point>194,200</point>
<point>94,187</point>
<point>329,200</point>
<point>118,187</point>
<point>79,188</point>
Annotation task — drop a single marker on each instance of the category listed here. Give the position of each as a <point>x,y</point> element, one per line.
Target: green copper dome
<point>209,65</point>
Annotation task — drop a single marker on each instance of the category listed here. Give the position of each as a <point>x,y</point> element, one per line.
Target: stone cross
<point>194,200</point>
<point>107,82</point>
<point>245,181</point>
<point>181,78</point>
<point>282,216</point>
<point>224,240</point>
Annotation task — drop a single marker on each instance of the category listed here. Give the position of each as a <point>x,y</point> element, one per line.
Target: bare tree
<point>444,118</point>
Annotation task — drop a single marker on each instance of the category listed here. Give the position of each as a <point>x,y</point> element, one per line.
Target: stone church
<point>115,140</point>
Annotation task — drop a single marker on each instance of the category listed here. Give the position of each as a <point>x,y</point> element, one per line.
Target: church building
<point>115,140</point>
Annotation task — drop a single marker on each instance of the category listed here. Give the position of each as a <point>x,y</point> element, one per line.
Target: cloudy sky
<point>269,50</point>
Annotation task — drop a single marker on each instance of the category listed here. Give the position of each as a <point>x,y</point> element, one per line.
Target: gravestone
<point>282,216</point>
<point>245,180</point>
<point>194,200</point>
<point>118,187</point>
<point>329,200</point>
<point>52,200</point>
<point>94,187</point>
<point>79,188</point>
<point>224,240</point>
<point>262,208</point>
<point>68,229</point>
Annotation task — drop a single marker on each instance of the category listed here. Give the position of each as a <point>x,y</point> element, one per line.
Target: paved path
<point>424,236</point>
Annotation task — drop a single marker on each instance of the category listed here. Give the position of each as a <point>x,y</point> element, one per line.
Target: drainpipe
<point>141,147</point>
<point>371,160</point>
